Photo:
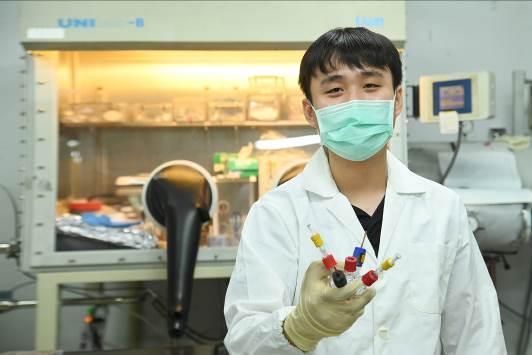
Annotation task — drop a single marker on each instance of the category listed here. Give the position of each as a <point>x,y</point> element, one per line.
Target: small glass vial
<point>350,267</point>
<point>368,279</point>
<point>337,277</point>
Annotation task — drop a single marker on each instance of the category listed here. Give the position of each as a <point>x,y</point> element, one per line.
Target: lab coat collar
<point>317,177</point>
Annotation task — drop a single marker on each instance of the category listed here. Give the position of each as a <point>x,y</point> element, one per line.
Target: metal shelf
<point>207,124</point>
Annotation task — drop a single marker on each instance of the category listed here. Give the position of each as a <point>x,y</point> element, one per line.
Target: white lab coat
<point>438,298</point>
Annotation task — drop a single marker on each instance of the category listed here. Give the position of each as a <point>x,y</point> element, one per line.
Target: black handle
<point>183,227</point>
<point>176,208</point>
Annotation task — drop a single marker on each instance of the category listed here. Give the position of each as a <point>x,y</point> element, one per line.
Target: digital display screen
<point>453,95</point>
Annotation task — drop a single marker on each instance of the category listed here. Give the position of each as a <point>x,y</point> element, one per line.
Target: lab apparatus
<point>485,176</point>
<point>112,87</point>
<point>226,105</point>
<point>189,107</point>
<point>350,269</point>
<point>471,95</point>
<point>370,277</point>
<point>265,98</point>
<point>338,278</point>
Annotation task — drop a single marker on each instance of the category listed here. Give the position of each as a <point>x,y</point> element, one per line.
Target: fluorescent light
<point>284,143</point>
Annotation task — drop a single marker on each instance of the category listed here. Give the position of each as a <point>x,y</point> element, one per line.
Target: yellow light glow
<point>161,75</point>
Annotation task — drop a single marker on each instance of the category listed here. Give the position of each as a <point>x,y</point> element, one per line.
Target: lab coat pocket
<point>427,276</point>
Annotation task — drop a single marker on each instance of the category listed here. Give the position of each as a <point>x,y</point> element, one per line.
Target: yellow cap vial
<point>387,264</point>
<point>316,239</point>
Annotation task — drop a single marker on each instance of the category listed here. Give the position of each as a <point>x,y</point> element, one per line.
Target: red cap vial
<point>329,261</point>
<point>350,264</point>
<point>369,278</point>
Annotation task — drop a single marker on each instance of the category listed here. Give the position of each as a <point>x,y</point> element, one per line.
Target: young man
<point>439,297</point>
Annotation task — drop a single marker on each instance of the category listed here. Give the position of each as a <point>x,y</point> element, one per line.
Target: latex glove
<point>323,311</point>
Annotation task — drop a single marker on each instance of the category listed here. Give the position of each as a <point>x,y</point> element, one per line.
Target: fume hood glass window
<point>177,87</point>
<point>123,113</point>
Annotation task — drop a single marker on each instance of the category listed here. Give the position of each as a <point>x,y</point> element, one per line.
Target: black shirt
<point>372,225</point>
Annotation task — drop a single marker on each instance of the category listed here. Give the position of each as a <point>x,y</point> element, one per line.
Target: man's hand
<point>323,311</point>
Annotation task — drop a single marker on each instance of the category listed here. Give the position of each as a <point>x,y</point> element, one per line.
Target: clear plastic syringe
<point>318,242</point>
<point>337,276</point>
<point>371,276</point>
<point>388,264</point>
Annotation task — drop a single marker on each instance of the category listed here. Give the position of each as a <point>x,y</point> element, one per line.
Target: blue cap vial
<point>360,254</point>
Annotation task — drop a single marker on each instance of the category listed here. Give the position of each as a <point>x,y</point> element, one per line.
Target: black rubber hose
<point>456,149</point>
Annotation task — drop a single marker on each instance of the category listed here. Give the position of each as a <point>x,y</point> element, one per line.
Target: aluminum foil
<point>133,237</point>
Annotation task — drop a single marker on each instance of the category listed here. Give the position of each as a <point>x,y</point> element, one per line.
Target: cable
<point>204,339</point>
<point>21,285</point>
<point>191,333</point>
<point>513,311</point>
<point>76,288</point>
<point>188,331</point>
<point>141,318</point>
<point>82,291</point>
<point>216,349</point>
<point>200,338</point>
<point>156,303</point>
<point>455,154</point>
<point>79,293</point>
<point>28,275</point>
<point>140,297</point>
<point>119,288</point>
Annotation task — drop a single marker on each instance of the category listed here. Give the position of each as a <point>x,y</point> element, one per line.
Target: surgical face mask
<point>356,130</point>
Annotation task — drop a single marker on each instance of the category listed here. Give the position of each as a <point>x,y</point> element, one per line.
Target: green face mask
<point>356,130</point>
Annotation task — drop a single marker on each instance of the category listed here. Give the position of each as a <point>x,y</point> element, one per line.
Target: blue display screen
<point>452,95</point>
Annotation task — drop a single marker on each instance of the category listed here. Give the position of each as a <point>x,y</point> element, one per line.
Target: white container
<point>265,98</point>
<point>227,106</point>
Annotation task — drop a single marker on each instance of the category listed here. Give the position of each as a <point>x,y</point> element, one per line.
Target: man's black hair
<point>356,47</point>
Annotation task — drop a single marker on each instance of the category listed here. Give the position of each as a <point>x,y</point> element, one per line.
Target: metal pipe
<point>100,300</point>
<point>521,121</point>
<point>14,304</point>
<point>5,248</point>
<point>10,305</point>
<point>518,104</point>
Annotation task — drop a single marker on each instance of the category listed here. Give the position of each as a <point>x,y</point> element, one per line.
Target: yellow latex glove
<point>323,311</point>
